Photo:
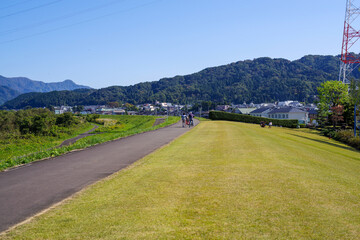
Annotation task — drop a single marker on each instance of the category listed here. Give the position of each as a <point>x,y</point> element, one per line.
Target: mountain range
<point>13,87</point>
<point>259,80</point>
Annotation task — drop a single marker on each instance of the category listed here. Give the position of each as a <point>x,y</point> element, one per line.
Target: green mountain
<point>7,93</point>
<point>258,80</point>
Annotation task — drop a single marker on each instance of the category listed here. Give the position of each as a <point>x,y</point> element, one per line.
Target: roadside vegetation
<point>336,111</point>
<point>125,126</point>
<point>33,134</point>
<point>27,132</point>
<point>222,180</point>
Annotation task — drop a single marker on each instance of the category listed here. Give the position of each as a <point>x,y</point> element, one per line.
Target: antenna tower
<point>349,60</point>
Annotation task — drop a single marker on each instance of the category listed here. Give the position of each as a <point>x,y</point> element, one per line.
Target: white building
<point>261,112</point>
<point>289,113</point>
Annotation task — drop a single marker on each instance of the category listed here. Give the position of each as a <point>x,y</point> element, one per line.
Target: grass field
<point>126,126</point>
<point>222,180</point>
<point>12,148</point>
<point>21,151</point>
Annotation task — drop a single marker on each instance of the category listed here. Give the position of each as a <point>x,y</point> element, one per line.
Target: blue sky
<point>101,43</point>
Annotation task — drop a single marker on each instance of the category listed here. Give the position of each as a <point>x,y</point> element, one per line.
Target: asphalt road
<point>29,189</point>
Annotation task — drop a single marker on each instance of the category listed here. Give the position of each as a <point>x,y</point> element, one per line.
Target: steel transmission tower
<point>349,60</point>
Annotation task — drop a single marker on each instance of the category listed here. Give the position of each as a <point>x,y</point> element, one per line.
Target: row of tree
<point>34,121</point>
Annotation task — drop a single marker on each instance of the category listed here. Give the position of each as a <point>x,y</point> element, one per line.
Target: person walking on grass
<point>270,124</point>
<point>183,119</point>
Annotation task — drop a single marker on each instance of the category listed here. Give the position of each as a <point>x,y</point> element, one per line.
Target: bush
<point>66,120</point>
<point>92,117</point>
<point>347,137</point>
<point>217,115</point>
<point>344,136</point>
<point>354,142</point>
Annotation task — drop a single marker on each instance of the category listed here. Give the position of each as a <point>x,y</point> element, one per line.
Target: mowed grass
<point>222,180</point>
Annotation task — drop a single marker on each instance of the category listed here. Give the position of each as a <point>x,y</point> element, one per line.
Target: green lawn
<point>22,151</point>
<point>222,180</point>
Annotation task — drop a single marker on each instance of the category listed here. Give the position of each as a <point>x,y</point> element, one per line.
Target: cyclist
<point>183,119</point>
<point>191,121</point>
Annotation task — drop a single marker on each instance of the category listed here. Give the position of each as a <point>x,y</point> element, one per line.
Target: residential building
<point>118,111</point>
<point>313,114</point>
<point>261,112</point>
<point>245,110</point>
<point>222,107</point>
<point>62,109</point>
<point>289,113</point>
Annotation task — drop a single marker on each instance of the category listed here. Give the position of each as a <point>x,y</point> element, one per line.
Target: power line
<point>81,22</point>
<point>15,4</point>
<point>26,27</point>
<point>30,9</point>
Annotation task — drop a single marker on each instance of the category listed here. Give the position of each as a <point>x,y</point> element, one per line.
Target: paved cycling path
<point>27,190</point>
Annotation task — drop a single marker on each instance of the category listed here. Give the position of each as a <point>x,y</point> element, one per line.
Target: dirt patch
<point>73,140</point>
<point>158,121</point>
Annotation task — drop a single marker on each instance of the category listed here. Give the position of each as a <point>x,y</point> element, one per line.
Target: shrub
<point>347,137</point>
<point>92,117</point>
<point>217,115</point>
<point>66,119</point>
<point>344,136</point>
<point>354,142</point>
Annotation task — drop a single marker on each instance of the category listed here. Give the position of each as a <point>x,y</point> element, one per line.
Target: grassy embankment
<point>14,149</point>
<point>20,151</point>
<point>222,180</point>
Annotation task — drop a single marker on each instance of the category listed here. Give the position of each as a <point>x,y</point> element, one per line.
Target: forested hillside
<point>7,93</point>
<point>258,80</point>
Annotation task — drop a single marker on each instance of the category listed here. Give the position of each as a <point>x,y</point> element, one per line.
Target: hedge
<point>217,115</point>
<point>344,136</point>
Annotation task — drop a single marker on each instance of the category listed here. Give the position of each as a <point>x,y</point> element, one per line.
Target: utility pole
<point>351,35</point>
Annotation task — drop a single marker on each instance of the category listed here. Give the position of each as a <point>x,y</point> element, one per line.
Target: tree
<point>130,107</point>
<point>113,104</point>
<point>331,94</point>
<point>78,108</point>
<point>337,114</point>
<point>354,93</point>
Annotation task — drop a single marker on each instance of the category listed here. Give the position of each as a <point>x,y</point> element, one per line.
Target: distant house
<point>244,110</point>
<point>104,111</point>
<point>118,111</point>
<point>222,107</point>
<point>131,112</point>
<point>261,112</point>
<point>289,113</point>
<point>92,108</point>
<point>313,114</point>
<point>289,103</point>
<point>269,105</point>
<point>62,109</point>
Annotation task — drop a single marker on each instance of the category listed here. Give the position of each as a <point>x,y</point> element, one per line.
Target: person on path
<point>191,122</point>
<point>183,119</point>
